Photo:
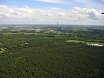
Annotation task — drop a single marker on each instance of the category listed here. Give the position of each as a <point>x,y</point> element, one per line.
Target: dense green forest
<point>48,55</point>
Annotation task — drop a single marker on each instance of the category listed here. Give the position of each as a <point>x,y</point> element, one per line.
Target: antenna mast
<point>57,23</point>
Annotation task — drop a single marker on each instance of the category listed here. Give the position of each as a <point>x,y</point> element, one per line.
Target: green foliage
<point>36,56</point>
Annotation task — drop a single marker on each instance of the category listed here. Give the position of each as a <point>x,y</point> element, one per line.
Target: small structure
<point>2,50</point>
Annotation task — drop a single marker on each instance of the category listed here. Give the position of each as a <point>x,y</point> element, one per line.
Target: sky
<point>77,12</point>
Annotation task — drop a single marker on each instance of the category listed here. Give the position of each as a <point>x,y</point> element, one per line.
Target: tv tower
<point>57,23</point>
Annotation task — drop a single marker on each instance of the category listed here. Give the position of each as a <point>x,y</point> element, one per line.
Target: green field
<point>75,41</point>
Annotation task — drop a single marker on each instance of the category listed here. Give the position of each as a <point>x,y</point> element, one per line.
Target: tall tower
<point>57,23</point>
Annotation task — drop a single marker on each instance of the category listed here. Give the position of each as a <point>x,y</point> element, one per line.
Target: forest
<point>45,54</point>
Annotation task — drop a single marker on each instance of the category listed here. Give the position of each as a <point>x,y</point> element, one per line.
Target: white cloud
<point>83,1</point>
<point>103,0</point>
<point>76,15</point>
<point>65,1</point>
<point>52,1</point>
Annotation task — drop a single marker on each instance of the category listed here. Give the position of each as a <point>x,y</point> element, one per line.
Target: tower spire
<point>57,23</point>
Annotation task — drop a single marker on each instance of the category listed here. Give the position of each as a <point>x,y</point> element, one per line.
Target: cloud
<point>65,1</point>
<point>24,15</point>
<point>102,0</point>
<point>93,14</point>
<point>52,1</point>
<point>81,1</point>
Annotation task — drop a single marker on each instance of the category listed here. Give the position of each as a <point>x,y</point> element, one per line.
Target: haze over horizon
<point>78,12</point>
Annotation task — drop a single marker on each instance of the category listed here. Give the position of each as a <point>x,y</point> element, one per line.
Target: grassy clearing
<point>87,42</point>
<point>75,41</point>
